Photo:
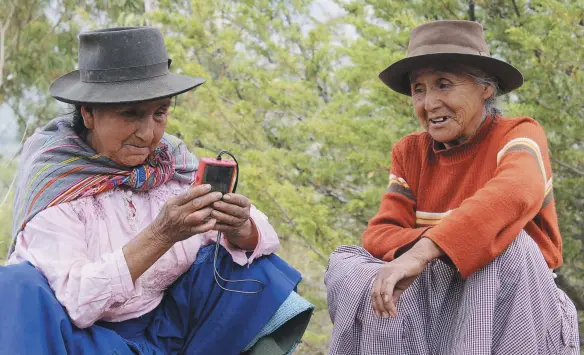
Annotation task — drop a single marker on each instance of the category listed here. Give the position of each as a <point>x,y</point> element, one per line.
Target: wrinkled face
<point>126,133</point>
<point>449,106</point>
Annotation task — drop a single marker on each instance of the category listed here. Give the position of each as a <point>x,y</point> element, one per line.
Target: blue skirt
<point>195,316</point>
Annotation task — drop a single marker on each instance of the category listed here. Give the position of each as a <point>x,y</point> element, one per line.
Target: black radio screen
<point>219,177</point>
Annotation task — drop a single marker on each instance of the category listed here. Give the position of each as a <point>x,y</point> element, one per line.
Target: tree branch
<point>568,166</point>
<point>237,132</point>
<point>293,224</point>
<point>471,10</point>
<point>2,43</point>
<point>516,8</point>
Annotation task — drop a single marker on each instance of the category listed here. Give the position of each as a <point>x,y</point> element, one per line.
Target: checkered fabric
<point>511,306</point>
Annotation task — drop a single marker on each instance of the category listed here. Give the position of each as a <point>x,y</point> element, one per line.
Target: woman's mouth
<point>437,121</point>
<point>138,150</point>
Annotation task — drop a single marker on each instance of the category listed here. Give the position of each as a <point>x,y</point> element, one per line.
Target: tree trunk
<point>149,6</point>
<point>3,29</point>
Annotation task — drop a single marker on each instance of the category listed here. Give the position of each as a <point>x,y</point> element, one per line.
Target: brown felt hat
<point>440,43</point>
<point>121,65</point>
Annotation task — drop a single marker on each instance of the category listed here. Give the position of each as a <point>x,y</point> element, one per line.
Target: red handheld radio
<point>220,174</point>
<point>223,176</point>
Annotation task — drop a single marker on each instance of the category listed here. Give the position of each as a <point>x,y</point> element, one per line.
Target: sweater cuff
<point>122,284</point>
<point>268,241</point>
<point>458,260</point>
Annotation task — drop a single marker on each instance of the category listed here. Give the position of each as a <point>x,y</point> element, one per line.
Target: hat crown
<point>121,47</point>
<point>121,65</point>
<point>465,37</point>
<point>442,44</point>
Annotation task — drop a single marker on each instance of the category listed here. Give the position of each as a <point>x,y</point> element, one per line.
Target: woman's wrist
<point>153,236</point>
<point>143,251</point>
<point>426,249</point>
<point>247,237</point>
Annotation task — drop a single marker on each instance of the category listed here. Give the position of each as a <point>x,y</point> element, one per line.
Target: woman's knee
<point>23,277</point>
<point>522,256</point>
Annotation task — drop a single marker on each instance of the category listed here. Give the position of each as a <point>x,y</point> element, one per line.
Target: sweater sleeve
<point>485,224</point>
<point>394,225</point>
<point>54,241</point>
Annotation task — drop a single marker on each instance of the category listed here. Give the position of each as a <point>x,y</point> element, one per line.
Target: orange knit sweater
<point>472,200</point>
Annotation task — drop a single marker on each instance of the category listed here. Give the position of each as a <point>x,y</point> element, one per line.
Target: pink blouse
<point>78,247</point>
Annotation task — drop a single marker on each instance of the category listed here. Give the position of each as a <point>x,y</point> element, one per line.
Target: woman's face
<point>449,106</point>
<point>126,133</point>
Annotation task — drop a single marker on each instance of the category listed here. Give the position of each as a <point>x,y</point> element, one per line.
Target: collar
<point>469,148</point>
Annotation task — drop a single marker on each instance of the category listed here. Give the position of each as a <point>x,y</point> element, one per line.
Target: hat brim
<point>68,88</point>
<point>396,76</point>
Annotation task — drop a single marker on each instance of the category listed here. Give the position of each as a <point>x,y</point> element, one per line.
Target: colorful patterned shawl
<point>58,166</point>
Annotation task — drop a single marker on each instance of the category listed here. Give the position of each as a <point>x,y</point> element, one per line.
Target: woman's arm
<point>393,229</point>
<point>480,229</point>
<point>55,242</point>
<point>180,218</point>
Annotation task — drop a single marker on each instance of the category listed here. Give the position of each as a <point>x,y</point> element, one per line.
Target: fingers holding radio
<point>199,217</point>
<point>200,202</point>
<point>185,215</point>
<point>207,225</point>
<point>227,219</point>
<point>233,218</point>
<point>237,199</point>
<point>189,195</point>
<point>234,205</point>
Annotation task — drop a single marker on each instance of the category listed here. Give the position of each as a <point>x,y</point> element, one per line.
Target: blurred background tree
<point>292,90</point>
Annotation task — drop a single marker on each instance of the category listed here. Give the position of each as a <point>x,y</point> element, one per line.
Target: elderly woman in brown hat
<point>459,258</point>
<point>115,250</point>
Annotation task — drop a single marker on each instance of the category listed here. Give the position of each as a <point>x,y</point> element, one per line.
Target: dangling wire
<point>219,235</point>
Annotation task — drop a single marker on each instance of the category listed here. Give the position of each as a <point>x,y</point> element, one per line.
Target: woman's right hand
<point>185,215</point>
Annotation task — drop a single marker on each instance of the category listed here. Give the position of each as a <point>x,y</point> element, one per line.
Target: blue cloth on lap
<point>195,316</point>
<point>292,307</point>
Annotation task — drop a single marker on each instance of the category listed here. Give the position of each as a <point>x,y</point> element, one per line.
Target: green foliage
<point>298,101</point>
<point>7,169</point>
<point>41,43</point>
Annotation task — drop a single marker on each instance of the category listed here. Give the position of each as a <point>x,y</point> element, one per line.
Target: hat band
<point>446,48</point>
<point>123,74</point>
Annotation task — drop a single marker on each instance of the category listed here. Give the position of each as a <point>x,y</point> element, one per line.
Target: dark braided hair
<point>77,121</point>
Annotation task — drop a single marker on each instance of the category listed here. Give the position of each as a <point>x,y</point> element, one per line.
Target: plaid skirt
<point>511,306</point>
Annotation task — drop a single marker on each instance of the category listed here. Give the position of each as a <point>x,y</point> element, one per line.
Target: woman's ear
<point>488,91</point>
<point>88,116</point>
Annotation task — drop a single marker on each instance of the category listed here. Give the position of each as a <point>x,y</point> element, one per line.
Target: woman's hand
<point>180,218</point>
<point>185,215</point>
<point>232,215</point>
<point>396,276</point>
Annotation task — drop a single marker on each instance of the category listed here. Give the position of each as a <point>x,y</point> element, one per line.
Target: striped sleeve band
<point>400,186</point>
<point>530,146</point>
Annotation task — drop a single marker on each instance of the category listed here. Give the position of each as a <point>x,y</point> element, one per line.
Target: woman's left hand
<point>392,280</point>
<point>396,276</point>
<point>232,213</point>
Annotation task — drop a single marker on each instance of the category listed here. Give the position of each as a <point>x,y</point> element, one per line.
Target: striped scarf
<point>58,166</point>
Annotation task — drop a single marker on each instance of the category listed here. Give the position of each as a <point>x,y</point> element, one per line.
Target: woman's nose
<point>431,101</point>
<point>145,129</point>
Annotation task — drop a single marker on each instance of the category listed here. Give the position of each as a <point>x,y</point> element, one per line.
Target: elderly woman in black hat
<point>114,248</point>
<point>459,258</point>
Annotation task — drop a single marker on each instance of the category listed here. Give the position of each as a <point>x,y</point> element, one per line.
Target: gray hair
<point>480,78</point>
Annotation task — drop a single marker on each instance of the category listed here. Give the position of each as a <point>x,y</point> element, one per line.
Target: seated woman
<point>114,247</point>
<point>459,257</point>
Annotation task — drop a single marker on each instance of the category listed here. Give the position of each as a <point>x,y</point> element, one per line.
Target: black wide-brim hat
<point>441,44</point>
<point>121,65</point>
